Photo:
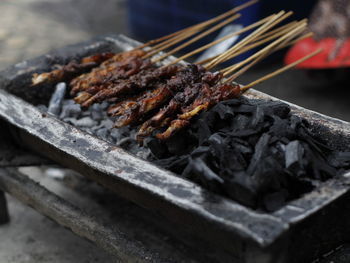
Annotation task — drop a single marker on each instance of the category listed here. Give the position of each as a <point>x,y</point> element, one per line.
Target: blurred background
<point>29,28</point>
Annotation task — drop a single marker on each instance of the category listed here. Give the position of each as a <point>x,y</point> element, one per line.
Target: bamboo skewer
<point>276,19</point>
<point>200,36</point>
<point>263,56</point>
<point>301,26</point>
<point>263,39</point>
<point>243,30</point>
<point>256,44</point>
<point>279,71</point>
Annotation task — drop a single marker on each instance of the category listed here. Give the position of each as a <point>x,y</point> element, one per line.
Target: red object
<point>324,59</point>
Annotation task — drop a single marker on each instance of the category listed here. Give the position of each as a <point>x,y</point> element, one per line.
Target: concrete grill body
<point>298,232</point>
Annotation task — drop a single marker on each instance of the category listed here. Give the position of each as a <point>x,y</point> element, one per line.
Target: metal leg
<point>4,214</point>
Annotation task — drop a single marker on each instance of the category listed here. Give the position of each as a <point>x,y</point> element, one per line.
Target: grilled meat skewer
<point>108,72</point>
<point>135,84</point>
<point>156,98</point>
<point>208,97</point>
<point>182,99</point>
<point>71,70</point>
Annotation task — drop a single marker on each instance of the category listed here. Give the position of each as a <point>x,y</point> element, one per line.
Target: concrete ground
<point>32,27</point>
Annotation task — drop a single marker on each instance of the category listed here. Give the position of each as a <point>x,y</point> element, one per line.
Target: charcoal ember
<point>263,155</point>
<point>55,104</point>
<point>70,110</point>
<point>103,133</point>
<point>257,117</point>
<point>252,151</point>
<point>203,131</point>
<point>276,108</point>
<point>240,187</point>
<point>204,174</point>
<point>276,200</point>
<point>86,122</point>
<point>107,123</point>
<point>97,115</point>
<point>158,149</point>
<point>294,153</point>
<point>177,164</point>
<point>261,150</point>
<point>223,111</point>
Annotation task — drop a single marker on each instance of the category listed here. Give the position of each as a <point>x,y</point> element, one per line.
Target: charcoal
<point>125,142</point>
<point>97,115</point>
<point>86,122</point>
<point>223,111</point>
<point>255,152</point>
<point>294,153</point>
<point>240,188</point>
<point>203,131</point>
<point>103,133</point>
<point>258,116</point>
<point>57,97</point>
<point>157,148</point>
<point>260,151</point>
<point>107,123</point>
<point>276,108</point>
<point>70,111</point>
<point>203,172</point>
<point>276,200</point>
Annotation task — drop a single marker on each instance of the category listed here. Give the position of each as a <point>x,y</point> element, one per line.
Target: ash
<point>252,151</point>
<point>94,121</point>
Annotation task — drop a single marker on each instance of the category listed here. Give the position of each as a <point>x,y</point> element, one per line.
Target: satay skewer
<point>251,37</point>
<point>230,69</point>
<point>241,31</point>
<point>300,27</point>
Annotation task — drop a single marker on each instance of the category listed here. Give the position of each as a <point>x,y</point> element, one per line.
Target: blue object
<point>150,19</point>
<point>154,18</point>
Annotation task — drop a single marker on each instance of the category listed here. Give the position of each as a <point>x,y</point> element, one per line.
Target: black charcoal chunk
<point>103,133</point>
<point>223,111</point>
<point>201,169</point>
<point>294,153</point>
<point>259,152</point>
<point>86,122</point>
<point>276,200</point>
<point>157,148</point>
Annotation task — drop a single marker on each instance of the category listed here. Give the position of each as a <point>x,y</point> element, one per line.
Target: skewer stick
<point>263,56</point>
<point>200,25</point>
<point>299,27</point>
<point>276,19</point>
<point>247,67</point>
<point>205,61</point>
<point>277,72</point>
<point>221,40</point>
<point>258,59</point>
<point>256,44</point>
<point>171,42</point>
<point>198,37</point>
<point>240,49</point>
